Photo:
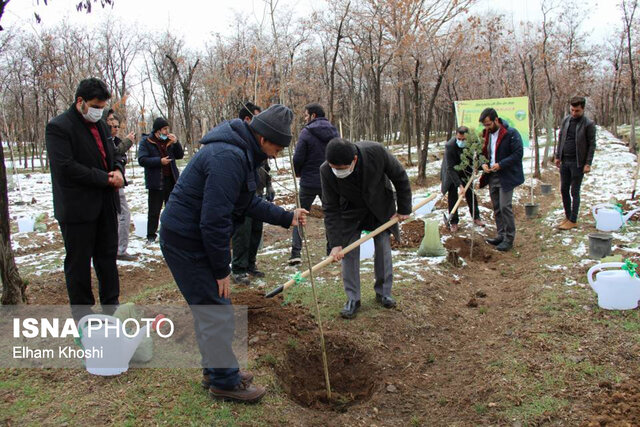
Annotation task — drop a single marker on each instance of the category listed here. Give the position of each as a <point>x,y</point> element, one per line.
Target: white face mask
<point>343,173</point>
<point>461,143</point>
<point>93,115</point>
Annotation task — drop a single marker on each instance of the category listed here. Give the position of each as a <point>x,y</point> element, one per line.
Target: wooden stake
<point>323,348</point>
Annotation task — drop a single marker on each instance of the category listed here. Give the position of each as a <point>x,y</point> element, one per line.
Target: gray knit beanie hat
<point>274,124</point>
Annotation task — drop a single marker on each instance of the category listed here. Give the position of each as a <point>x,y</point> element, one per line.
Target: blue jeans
<point>214,328</point>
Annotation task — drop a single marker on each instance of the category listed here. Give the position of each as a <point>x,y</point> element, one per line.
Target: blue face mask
<point>460,143</point>
<point>163,137</point>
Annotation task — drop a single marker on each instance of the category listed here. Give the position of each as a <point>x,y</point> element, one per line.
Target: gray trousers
<point>124,219</point>
<point>383,268</point>
<point>502,209</point>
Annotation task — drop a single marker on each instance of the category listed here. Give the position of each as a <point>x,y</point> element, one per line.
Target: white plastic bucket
<point>367,249</point>
<point>616,289</point>
<point>113,348</point>
<point>140,226</point>
<point>25,224</point>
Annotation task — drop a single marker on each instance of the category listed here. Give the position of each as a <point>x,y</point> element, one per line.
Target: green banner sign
<point>513,111</point>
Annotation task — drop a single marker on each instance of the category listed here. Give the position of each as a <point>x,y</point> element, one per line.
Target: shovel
<point>328,260</point>
<point>447,219</point>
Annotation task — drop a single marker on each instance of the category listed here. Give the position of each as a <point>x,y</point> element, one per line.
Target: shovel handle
<point>466,187</point>
<point>328,260</point>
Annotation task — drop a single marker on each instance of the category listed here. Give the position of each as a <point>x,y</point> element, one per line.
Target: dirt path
<point>503,340</point>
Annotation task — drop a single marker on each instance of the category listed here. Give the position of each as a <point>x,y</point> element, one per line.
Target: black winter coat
<point>149,158</point>
<point>310,148</point>
<point>585,140</point>
<point>379,169</point>
<point>79,178</point>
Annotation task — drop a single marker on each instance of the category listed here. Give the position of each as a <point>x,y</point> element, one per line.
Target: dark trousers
<point>214,326</point>
<point>245,242</point>
<point>307,197</point>
<point>84,242</point>
<point>156,199</point>
<point>570,182</point>
<point>502,209</point>
<point>472,200</point>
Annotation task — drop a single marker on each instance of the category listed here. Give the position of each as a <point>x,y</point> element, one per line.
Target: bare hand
<point>224,287</point>
<point>336,253</point>
<point>172,139</point>
<point>165,160</point>
<point>587,168</point>
<point>131,135</point>
<point>116,180</point>
<point>299,217</point>
<point>557,163</point>
<point>495,168</point>
<point>461,191</point>
<point>485,168</point>
<point>400,217</point>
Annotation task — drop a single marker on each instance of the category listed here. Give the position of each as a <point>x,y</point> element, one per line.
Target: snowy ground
<point>611,179</point>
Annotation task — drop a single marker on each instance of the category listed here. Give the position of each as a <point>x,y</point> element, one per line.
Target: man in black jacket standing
<point>309,155</point>
<point>357,196</point>
<point>576,146</point>
<point>86,174</point>
<point>157,154</point>
<point>454,181</point>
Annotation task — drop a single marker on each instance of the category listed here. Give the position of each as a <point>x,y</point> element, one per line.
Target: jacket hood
<point>322,129</point>
<point>235,132</point>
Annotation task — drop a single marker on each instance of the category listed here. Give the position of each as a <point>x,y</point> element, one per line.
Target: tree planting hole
<point>352,372</point>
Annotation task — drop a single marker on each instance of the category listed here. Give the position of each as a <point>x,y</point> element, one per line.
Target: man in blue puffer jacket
<point>309,155</point>
<point>212,196</point>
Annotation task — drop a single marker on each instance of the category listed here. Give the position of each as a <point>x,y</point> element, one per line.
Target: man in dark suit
<point>454,181</point>
<point>357,196</point>
<point>86,175</point>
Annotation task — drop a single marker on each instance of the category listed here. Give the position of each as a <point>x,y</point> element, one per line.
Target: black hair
<point>578,101</point>
<point>92,88</point>
<point>488,112</point>
<point>315,108</point>
<point>340,152</point>
<point>248,110</point>
<point>462,130</point>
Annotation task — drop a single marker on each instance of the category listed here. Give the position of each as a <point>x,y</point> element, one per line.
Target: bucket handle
<point>85,319</point>
<point>594,211</point>
<point>599,267</point>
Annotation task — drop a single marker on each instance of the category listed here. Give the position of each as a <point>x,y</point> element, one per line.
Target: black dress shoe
<point>350,309</point>
<point>504,246</point>
<point>495,241</point>
<point>386,302</point>
<point>253,271</point>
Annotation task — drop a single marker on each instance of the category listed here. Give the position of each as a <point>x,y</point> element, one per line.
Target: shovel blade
<point>446,221</point>
<point>275,292</point>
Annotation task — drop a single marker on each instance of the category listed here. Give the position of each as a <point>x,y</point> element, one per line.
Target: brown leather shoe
<point>562,223</point>
<point>568,225</point>
<point>245,377</point>
<point>243,393</point>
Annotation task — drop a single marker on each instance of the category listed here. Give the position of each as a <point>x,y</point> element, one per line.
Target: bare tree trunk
<point>13,287</point>
<point>422,164</point>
